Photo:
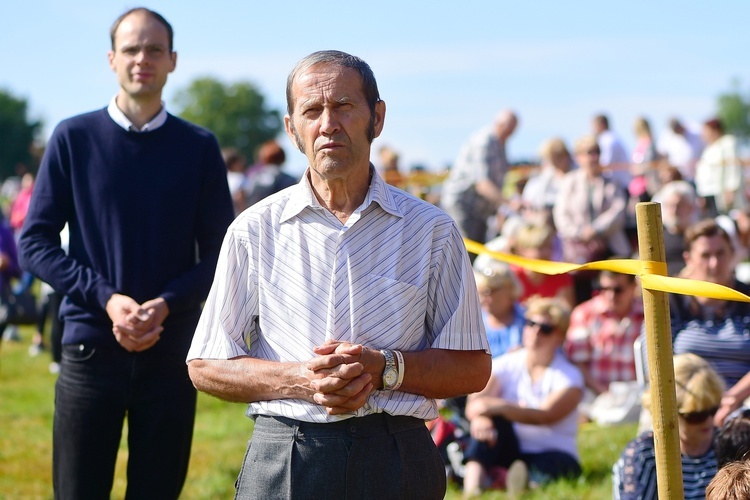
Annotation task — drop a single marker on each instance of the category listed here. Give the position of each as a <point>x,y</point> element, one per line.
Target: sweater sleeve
<point>39,244</point>
<point>216,212</point>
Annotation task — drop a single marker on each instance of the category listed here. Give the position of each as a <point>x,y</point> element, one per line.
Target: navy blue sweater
<point>147,215</point>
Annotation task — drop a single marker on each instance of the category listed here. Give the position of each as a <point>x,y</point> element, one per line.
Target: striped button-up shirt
<point>290,276</point>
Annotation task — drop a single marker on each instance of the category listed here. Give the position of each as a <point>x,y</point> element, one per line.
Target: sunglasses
<point>545,328</point>
<point>589,152</point>
<point>698,417</point>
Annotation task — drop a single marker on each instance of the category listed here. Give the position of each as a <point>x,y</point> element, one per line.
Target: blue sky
<point>444,68</point>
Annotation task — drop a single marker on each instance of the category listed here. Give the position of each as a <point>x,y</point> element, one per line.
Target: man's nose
<point>141,56</point>
<point>329,123</point>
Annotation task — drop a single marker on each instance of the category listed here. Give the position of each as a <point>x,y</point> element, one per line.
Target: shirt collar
<point>119,118</point>
<point>304,197</point>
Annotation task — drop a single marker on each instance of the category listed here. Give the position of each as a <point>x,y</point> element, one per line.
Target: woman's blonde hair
<point>553,147</point>
<point>533,235</point>
<point>697,386</point>
<point>496,274</point>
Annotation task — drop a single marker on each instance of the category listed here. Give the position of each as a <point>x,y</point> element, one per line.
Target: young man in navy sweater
<point>146,199</point>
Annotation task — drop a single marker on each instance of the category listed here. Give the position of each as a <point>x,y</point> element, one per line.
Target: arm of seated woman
<point>557,406</point>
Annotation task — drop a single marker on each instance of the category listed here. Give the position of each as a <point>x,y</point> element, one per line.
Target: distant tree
<point>17,133</point>
<point>734,112</point>
<point>236,113</point>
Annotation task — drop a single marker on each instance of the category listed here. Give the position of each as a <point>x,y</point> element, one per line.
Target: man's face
<point>332,122</point>
<point>677,211</point>
<point>141,57</point>
<point>618,291</point>
<point>710,259</point>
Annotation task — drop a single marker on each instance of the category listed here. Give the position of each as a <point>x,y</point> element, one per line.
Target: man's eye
<point>155,51</point>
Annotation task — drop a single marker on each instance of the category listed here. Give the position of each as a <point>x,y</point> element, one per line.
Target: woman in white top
<point>718,176</point>
<point>526,418</point>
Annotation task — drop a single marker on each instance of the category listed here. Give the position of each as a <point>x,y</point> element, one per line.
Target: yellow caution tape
<point>652,274</point>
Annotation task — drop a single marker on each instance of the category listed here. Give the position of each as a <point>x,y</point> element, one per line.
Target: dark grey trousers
<point>373,457</point>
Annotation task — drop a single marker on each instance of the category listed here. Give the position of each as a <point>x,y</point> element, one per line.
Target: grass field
<point>221,433</point>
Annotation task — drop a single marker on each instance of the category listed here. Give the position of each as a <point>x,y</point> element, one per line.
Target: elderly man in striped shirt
<point>341,309</point>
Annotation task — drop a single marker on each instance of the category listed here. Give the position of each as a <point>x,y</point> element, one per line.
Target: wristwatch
<point>390,373</point>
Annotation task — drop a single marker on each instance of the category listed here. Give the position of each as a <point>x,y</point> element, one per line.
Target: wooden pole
<point>660,364</point>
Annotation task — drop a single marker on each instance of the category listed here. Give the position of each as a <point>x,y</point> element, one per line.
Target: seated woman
<point>698,389</point>
<point>537,242</point>
<point>526,419</point>
<point>714,329</point>
<point>501,313</point>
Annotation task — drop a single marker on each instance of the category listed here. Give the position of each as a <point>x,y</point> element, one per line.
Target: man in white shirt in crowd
<point>682,147</point>
<point>613,157</point>
<point>342,308</point>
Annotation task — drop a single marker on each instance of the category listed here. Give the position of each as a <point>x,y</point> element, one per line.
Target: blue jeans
<point>97,388</point>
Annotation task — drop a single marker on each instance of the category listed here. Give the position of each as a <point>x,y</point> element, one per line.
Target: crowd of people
<point>578,208</point>
<point>161,293</point>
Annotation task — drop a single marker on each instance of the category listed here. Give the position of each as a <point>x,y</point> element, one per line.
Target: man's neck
<point>341,196</point>
<point>139,111</point>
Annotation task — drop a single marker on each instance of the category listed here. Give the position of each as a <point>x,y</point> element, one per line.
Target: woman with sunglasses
<point>524,423</point>
<point>699,390</point>
<point>502,314</point>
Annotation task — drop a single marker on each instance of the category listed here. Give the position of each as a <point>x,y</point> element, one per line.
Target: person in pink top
<point>21,204</point>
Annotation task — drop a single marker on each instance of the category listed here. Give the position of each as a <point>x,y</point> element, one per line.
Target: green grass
<point>221,434</point>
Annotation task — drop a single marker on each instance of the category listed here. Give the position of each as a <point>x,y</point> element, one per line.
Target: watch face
<point>390,377</point>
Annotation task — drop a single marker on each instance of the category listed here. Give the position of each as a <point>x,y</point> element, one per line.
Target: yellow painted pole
<point>660,364</point>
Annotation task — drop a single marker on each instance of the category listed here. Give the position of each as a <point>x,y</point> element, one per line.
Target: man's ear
<point>379,118</point>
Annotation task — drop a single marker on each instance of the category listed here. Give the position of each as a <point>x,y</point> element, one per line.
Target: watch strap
<point>400,369</point>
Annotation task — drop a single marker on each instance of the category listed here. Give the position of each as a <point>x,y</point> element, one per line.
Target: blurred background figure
<point>645,162</point>
<point>679,211</point>
<point>473,191</point>
<point>389,167</point>
<point>589,215</point>
<point>644,152</point>
<point>266,177</point>
<point>9,268</point>
<point>537,241</point>
<point>19,207</point>
<point>731,482</point>
<point>613,156</point>
<point>540,190</point>
<point>600,339</point>
<point>699,390</point>
<point>714,329</point>
<point>235,177</point>
<point>681,147</point>
<point>502,314</point>
<point>719,178</point>
<point>525,420</point>
<point>733,441</point>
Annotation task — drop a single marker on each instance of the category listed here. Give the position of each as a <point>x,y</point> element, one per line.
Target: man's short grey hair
<point>683,189</point>
<point>336,57</point>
